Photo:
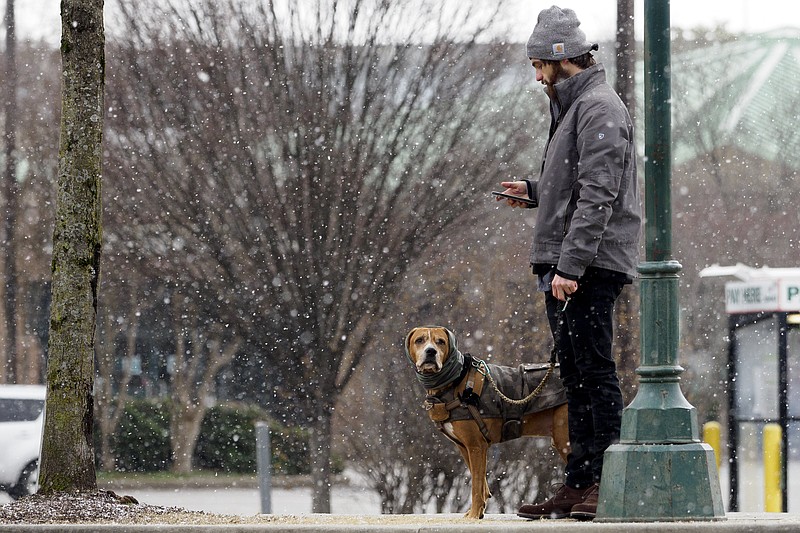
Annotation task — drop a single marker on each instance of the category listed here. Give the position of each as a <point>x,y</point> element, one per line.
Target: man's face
<point>548,73</point>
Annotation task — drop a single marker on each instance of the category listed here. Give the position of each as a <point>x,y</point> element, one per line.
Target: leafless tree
<point>67,457</point>
<point>292,159</point>
<point>29,157</point>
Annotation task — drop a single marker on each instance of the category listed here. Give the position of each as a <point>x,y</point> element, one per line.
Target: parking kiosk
<point>763,307</point>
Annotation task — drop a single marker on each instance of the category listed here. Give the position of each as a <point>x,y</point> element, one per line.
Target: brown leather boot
<point>559,506</point>
<point>587,509</point>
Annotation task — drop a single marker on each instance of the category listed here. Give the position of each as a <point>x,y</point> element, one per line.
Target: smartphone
<point>517,198</point>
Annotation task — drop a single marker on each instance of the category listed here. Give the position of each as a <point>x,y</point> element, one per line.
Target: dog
<point>471,413</point>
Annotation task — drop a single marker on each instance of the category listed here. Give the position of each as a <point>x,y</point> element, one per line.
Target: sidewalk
<point>733,523</point>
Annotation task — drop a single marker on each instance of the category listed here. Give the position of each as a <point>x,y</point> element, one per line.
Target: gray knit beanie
<point>557,36</point>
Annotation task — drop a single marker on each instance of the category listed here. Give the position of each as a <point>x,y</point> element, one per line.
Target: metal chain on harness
<point>483,368</point>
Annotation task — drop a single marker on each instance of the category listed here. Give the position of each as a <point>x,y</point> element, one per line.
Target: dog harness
<point>469,398</point>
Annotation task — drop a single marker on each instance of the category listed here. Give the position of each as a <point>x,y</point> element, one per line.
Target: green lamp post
<point>660,470</point>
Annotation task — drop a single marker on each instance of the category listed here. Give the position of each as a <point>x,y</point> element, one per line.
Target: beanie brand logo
<point>558,49</point>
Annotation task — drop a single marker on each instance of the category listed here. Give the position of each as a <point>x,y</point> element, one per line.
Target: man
<point>585,244</point>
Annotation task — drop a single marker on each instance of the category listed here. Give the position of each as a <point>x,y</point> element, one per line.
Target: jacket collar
<point>570,89</point>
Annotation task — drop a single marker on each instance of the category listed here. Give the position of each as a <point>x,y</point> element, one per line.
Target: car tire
<point>28,482</point>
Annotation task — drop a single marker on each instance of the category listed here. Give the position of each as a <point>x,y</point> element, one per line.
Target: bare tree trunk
<point>320,443</point>
<point>626,341</point>
<point>197,364</point>
<point>626,56</point>
<point>67,459</point>
<point>184,424</point>
<point>10,195</point>
<point>627,308</point>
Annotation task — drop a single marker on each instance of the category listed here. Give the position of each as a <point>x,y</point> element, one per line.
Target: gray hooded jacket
<point>589,213</point>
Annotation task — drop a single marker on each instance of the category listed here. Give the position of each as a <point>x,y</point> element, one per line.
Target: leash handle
<point>559,336</point>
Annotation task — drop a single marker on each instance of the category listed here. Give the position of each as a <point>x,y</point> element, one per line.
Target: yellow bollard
<point>773,499</point>
<point>711,436</point>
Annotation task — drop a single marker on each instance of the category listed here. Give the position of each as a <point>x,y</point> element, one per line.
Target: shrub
<point>141,441</point>
<point>227,442</point>
<point>290,454</point>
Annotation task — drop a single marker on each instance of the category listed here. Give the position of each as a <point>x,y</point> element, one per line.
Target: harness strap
<point>467,394</point>
<point>469,391</point>
<point>473,385</point>
<point>473,410</point>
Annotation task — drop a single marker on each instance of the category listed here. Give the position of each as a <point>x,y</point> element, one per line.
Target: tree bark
<point>67,459</point>
<point>627,308</point>
<point>10,195</point>
<point>321,472</point>
<point>626,55</point>
<point>184,429</point>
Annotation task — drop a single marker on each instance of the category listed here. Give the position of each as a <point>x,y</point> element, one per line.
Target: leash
<point>534,393</point>
<point>483,368</point>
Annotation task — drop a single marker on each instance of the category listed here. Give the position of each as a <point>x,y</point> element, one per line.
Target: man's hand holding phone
<point>515,194</point>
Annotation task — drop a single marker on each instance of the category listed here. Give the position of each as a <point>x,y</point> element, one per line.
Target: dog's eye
<point>419,340</point>
<point>441,341</point>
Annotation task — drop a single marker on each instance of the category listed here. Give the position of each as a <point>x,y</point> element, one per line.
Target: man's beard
<point>559,74</point>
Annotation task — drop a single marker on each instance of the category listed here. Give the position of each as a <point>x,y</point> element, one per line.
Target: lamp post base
<point>659,483</point>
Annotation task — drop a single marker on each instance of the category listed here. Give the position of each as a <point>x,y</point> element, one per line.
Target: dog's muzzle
<point>429,364</point>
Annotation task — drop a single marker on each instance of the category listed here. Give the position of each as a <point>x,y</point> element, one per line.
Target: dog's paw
<point>474,515</point>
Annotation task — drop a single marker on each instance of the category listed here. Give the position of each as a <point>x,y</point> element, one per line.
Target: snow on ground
<point>247,502</point>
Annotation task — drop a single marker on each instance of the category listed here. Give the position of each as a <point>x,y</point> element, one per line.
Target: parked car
<point>21,421</point>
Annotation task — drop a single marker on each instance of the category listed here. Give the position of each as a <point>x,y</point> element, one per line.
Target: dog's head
<point>428,348</point>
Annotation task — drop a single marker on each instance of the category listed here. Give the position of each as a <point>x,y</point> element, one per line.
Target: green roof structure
<point>742,94</point>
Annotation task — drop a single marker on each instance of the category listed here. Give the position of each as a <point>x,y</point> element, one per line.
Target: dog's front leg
<point>475,450</point>
<point>480,488</point>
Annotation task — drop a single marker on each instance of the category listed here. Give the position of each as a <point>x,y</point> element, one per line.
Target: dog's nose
<point>430,353</point>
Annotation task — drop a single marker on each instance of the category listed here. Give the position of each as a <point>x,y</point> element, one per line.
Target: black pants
<point>589,373</point>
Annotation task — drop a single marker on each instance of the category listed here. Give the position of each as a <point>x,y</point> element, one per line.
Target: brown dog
<point>465,408</point>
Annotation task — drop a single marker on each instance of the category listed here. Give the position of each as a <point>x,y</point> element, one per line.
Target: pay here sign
<point>762,296</point>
